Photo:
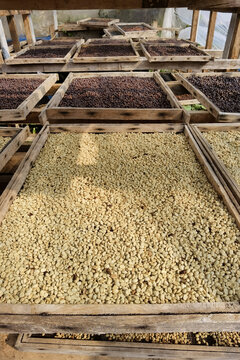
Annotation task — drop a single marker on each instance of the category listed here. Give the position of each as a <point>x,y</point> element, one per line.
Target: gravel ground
<point>14,91</point>
<point>221,90</point>
<point>118,218</point>
<point>118,92</point>
<point>3,141</point>
<point>226,144</point>
<point>224,338</point>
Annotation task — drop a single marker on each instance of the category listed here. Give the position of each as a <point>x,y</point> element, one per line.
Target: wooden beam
<point>3,42</point>
<point>27,28</point>
<point>234,50</point>
<point>211,29</point>
<point>13,32</point>
<point>195,19</point>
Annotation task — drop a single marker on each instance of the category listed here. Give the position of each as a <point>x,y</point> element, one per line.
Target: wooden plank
<point>204,100</point>
<point>234,49</point>
<point>20,113</point>
<point>14,144</point>
<point>212,177</point>
<point>195,19</point>
<point>55,114</point>
<point>211,29</point>
<point>18,179</point>
<point>119,324</point>
<point>141,65</point>
<point>13,32</point>
<point>25,342</point>
<point>114,4</point>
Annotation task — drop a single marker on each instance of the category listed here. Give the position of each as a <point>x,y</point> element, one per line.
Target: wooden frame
<point>18,137</point>
<point>53,113</point>
<point>141,33</point>
<point>89,22</point>
<point>109,34</point>
<point>223,173</point>
<point>116,318</point>
<point>199,58</point>
<point>14,60</point>
<point>29,103</point>
<point>77,58</point>
<point>212,108</point>
<point>27,343</point>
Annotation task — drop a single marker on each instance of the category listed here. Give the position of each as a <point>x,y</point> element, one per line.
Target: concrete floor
<point>7,352</point>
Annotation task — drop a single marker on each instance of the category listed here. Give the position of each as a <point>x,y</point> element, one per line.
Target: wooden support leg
<point>232,45</point>
<point>3,42</point>
<point>27,28</point>
<point>211,29</point>
<point>195,19</point>
<point>234,50</point>
<point>13,32</point>
<point>32,29</point>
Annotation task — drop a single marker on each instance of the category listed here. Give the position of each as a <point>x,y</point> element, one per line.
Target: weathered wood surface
<point>13,145</point>
<point>141,65</point>
<point>25,342</point>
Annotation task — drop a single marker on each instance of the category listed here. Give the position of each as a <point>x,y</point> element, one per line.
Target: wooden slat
<point>13,32</point>
<point>195,19</point>
<point>211,29</point>
<point>7,152</point>
<point>141,65</point>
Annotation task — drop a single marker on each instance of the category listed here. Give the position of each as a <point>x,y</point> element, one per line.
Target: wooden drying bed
<point>16,60</point>
<point>26,342</point>
<point>202,57</point>
<point>212,108</point>
<point>141,65</point>
<point>55,114</point>
<point>105,59</point>
<point>97,23</point>
<point>149,32</point>
<point>129,318</point>
<point>29,103</point>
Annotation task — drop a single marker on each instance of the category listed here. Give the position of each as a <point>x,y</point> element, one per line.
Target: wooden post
<point>27,28</point>
<point>211,29</point>
<point>3,42</point>
<point>55,20</point>
<point>14,34</point>
<point>234,50</point>
<point>32,28</point>
<point>231,39</point>
<point>195,19</point>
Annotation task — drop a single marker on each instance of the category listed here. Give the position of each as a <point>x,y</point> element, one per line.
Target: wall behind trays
<point>184,18</point>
